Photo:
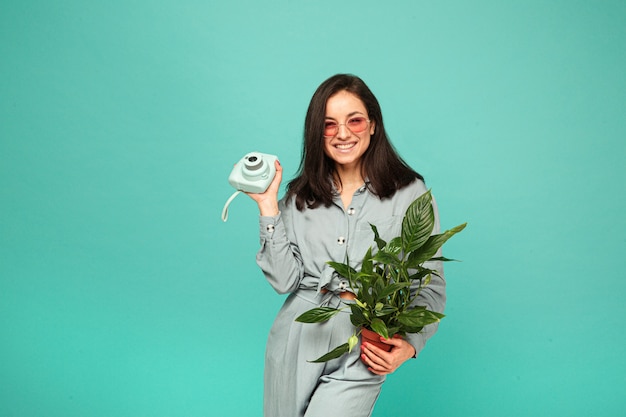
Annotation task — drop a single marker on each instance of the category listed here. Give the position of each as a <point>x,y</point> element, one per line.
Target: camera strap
<point>225,210</point>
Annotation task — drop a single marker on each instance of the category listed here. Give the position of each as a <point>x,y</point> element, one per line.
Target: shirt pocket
<point>388,228</point>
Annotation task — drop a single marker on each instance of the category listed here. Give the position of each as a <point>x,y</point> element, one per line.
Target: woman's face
<point>346,147</point>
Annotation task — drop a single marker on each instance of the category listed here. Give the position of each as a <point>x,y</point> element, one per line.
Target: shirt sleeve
<point>432,296</point>
<point>278,257</point>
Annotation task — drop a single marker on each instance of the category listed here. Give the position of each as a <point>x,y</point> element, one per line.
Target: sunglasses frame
<point>336,127</point>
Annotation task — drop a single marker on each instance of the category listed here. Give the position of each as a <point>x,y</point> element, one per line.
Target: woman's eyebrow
<point>349,114</point>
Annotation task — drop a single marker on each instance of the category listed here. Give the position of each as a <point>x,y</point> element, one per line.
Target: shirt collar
<point>361,189</point>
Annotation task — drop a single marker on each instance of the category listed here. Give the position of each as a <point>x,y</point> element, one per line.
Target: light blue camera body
<point>253,173</point>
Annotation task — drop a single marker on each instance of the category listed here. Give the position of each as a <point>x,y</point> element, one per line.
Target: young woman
<point>350,176</point>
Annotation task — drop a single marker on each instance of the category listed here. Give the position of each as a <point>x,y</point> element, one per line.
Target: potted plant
<point>390,279</point>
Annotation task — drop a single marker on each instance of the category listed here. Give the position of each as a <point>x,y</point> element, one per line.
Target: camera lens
<point>253,163</point>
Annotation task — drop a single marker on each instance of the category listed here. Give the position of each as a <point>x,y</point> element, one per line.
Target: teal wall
<point>123,294</point>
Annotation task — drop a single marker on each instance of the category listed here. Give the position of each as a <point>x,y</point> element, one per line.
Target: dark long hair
<point>382,165</point>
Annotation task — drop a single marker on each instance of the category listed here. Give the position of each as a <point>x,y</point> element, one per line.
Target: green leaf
<point>394,246</point>
<point>418,223</point>
<point>387,258</point>
<point>392,288</point>
<point>342,269</point>
<point>357,317</point>
<point>333,354</point>
<point>379,242</point>
<point>364,293</point>
<point>419,317</point>
<point>367,266</point>
<point>423,272</point>
<point>317,315</point>
<point>377,286</point>
<point>385,310</point>
<point>409,329</point>
<point>443,259</point>
<point>433,244</point>
<point>397,330</point>
<point>379,327</point>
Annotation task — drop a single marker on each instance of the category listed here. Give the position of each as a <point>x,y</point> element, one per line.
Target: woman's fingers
<point>381,362</point>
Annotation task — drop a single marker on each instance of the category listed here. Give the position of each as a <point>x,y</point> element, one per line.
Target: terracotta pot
<point>372,337</point>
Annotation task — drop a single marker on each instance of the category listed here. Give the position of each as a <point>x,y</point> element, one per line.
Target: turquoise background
<point>122,293</point>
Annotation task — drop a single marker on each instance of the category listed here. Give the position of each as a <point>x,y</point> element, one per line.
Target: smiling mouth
<point>345,146</point>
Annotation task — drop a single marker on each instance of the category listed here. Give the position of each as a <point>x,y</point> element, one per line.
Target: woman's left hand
<point>383,363</point>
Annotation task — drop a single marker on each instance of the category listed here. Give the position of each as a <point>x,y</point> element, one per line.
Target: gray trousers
<point>295,387</point>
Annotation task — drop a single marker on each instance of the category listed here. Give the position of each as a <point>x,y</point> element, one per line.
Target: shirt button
<point>351,211</point>
<point>343,285</point>
<point>341,240</point>
<point>270,228</point>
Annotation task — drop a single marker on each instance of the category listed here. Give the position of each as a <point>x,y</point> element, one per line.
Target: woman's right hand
<point>268,200</point>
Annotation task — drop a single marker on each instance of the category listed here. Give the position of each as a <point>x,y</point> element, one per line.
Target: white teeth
<point>346,146</point>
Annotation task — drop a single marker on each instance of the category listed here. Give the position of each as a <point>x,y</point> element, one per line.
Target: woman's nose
<point>343,131</point>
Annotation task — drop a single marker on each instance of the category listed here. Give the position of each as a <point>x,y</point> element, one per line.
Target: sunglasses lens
<point>357,124</point>
<point>330,128</point>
